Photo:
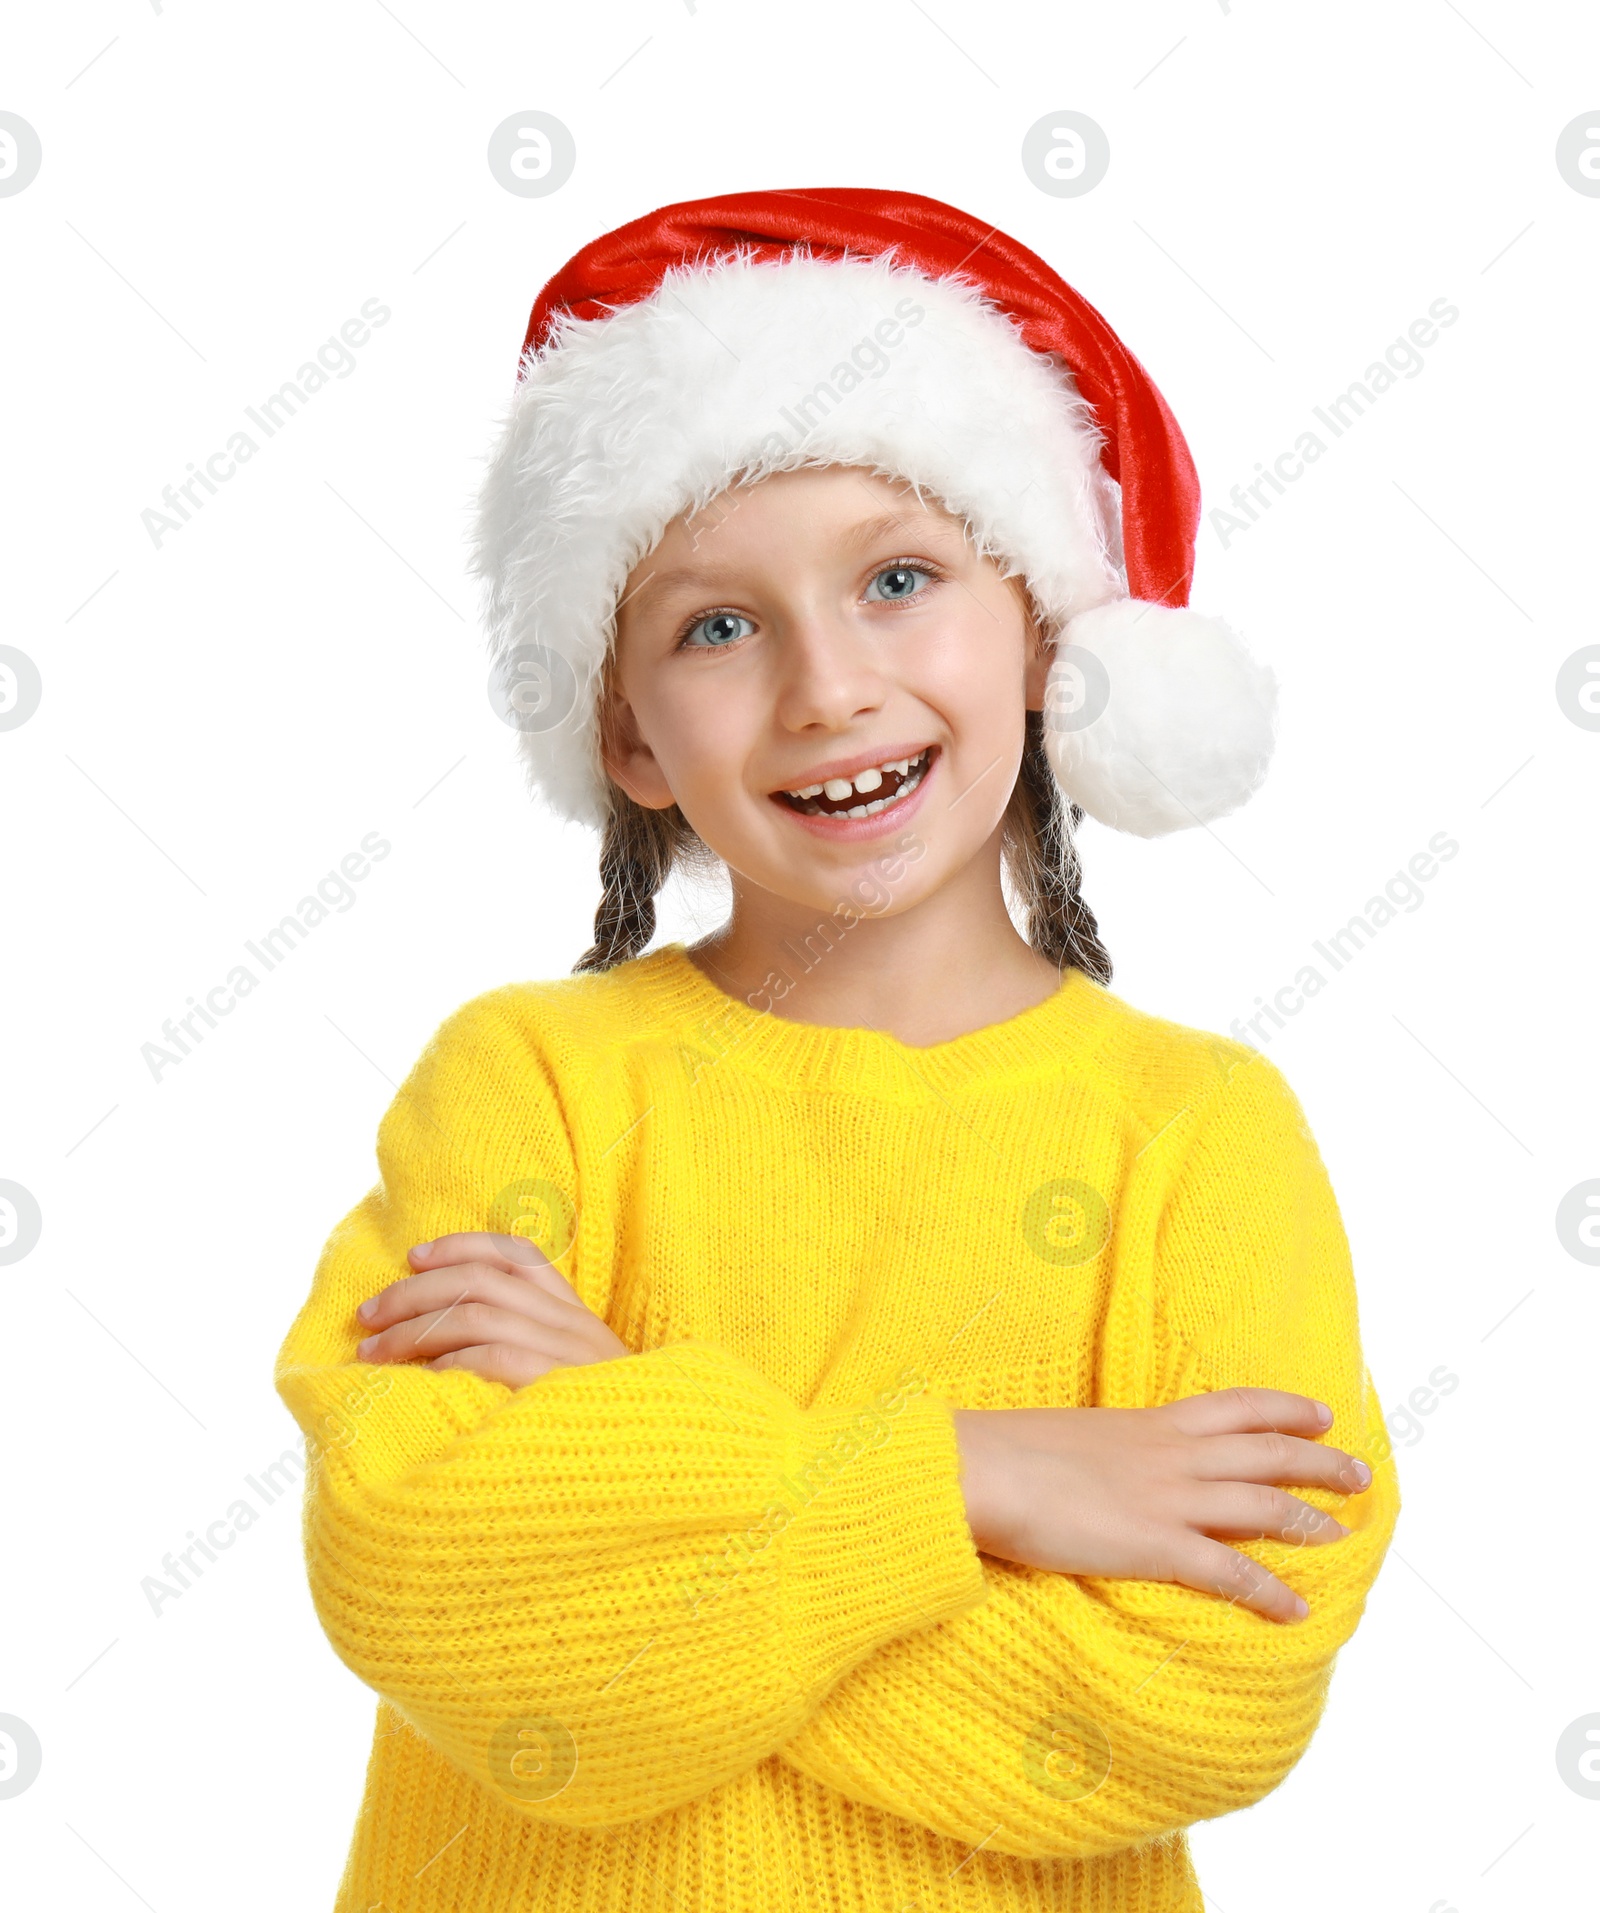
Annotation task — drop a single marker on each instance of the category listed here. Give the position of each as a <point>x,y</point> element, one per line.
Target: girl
<point>835,1418</point>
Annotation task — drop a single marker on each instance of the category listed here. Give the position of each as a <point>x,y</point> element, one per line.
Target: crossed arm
<point>455,1562</point>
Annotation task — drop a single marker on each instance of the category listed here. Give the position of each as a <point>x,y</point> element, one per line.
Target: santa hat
<point>723,340</point>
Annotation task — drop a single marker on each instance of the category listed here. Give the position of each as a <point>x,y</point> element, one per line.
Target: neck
<point>948,965</point>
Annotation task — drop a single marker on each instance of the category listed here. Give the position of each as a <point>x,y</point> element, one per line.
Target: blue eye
<point>717,631</point>
<point>898,581</point>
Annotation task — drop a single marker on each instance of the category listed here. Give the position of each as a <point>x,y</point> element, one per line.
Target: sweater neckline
<point>716,1024</point>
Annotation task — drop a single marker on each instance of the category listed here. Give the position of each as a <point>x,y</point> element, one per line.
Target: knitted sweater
<point>703,1629</point>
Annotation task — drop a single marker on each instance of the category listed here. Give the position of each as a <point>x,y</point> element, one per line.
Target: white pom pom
<point>1156,719</point>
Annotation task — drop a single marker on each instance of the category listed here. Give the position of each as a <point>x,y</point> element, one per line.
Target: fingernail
<point>1300,1609</point>
<point>362,1348</point>
<point>422,1248</point>
<point>1362,1473</point>
<point>368,1309</point>
<point>1324,1414</point>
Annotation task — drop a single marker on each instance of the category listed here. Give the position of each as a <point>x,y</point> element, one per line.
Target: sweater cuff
<point>877,1544</point>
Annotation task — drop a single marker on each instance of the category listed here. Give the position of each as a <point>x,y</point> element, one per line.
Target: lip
<point>887,823</point>
<point>849,766</point>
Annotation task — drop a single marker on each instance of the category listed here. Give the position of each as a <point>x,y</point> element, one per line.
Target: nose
<point>829,676</point>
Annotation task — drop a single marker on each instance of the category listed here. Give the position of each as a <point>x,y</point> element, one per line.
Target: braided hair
<point>1041,858</point>
<point>641,848</point>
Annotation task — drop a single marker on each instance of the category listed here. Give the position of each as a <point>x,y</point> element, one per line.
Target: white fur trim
<point>1157,718</point>
<point>623,422</point>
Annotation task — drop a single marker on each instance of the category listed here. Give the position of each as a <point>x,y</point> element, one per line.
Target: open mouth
<point>877,788</point>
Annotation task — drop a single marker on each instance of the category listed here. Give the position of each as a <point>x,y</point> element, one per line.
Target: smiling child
<point>835,1417</point>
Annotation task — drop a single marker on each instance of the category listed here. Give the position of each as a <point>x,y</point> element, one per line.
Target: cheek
<point>701,734</point>
<point>974,674</point>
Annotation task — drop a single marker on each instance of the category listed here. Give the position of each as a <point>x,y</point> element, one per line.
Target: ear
<point>628,759</point>
<point>1038,658</point>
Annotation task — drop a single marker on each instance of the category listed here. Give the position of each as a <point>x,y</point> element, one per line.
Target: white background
<point>226,716</point>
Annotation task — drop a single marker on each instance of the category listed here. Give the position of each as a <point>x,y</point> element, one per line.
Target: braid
<point>638,851</point>
<point>637,854</point>
<point>1042,859</point>
<point>641,847</point>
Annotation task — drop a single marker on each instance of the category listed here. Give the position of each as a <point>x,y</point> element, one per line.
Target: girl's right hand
<point>1138,1493</point>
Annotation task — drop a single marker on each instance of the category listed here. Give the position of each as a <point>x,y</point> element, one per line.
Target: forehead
<point>832,513</point>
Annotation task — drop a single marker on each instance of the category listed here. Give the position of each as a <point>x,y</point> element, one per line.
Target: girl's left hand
<point>491,1303</point>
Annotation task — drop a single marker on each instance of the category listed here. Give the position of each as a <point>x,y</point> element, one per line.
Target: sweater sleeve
<point>606,1592</point>
<point>1076,1715</point>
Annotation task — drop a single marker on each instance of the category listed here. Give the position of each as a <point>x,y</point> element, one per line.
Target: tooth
<point>811,790</point>
<point>837,787</point>
<point>868,780</point>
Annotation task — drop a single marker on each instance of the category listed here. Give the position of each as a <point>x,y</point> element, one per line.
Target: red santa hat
<point>722,340</point>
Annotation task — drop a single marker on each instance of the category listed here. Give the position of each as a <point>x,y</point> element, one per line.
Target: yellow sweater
<point>703,1629</point>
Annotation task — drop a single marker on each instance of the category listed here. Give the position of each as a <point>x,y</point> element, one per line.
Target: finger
<point>463,1282</point>
<point>1227,1411</point>
<point>513,1253</point>
<point>1281,1458</point>
<point>1212,1568</point>
<point>499,1362</point>
<point>462,1325</point>
<point>1247,1512</point>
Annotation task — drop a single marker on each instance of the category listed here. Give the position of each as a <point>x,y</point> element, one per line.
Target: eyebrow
<point>861,537</point>
<point>872,531</point>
